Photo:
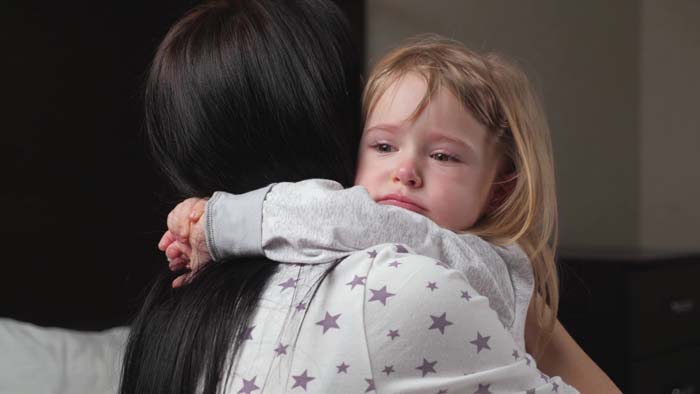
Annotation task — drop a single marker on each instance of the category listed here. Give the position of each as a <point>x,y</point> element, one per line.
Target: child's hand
<point>184,243</point>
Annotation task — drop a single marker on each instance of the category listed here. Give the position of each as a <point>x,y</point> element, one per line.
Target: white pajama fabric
<point>384,320</point>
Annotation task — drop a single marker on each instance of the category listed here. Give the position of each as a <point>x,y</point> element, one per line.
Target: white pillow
<point>38,360</point>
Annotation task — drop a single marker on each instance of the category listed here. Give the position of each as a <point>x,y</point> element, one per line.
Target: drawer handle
<point>690,389</point>
<point>681,307</point>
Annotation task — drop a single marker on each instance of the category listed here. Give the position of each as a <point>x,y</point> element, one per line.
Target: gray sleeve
<point>317,221</point>
<point>233,224</point>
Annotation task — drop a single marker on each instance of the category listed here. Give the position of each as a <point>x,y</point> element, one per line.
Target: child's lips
<point>402,202</point>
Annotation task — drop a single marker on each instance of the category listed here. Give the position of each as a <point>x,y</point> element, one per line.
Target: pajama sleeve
<point>233,224</point>
<point>429,331</point>
<point>317,221</point>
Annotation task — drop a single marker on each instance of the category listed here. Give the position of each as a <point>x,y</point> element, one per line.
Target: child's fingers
<point>179,224</point>
<point>179,221</point>
<point>178,263</point>
<point>172,252</point>
<point>182,280</point>
<point>198,209</point>
<point>179,281</point>
<point>177,255</point>
<point>178,249</point>
<point>187,277</point>
<point>165,241</point>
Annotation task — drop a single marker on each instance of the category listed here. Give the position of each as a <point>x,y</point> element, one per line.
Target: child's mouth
<point>402,202</point>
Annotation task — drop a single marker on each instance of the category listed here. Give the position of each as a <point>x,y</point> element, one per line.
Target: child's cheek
<point>361,180</point>
<point>454,210</point>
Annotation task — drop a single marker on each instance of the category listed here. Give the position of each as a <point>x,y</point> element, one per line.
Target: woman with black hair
<point>245,93</point>
<point>240,94</point>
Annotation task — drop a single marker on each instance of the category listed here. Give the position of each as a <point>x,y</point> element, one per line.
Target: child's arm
<point>562,356</point>
<point>318,221</point>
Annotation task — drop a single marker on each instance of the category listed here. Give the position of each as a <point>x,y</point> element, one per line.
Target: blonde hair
<point>501,98</point>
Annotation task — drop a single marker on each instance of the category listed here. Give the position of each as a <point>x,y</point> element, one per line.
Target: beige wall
<point>584,55</point>
<point>670,124</point>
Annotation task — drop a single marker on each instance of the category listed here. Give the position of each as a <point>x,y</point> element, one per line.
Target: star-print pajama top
<point>382,320</point>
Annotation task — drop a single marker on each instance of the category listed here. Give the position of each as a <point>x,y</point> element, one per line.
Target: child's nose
<point>408,175</point>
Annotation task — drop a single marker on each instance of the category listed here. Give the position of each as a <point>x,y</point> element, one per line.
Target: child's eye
<point>383,148</point>
<point>443,157</point>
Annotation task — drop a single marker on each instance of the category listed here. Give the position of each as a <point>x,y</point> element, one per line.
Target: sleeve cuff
<point>234,224</point>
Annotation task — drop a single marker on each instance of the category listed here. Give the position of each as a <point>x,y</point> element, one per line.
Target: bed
<point>41,360</point>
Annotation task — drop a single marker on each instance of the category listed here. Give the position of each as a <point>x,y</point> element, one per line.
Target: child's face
<point>441,165</point>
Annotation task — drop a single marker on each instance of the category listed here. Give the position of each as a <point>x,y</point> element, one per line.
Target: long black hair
<point>240,94</point>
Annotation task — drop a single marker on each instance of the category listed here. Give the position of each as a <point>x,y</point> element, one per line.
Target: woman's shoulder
<point>398,279</point>
<point>426,326</point>
<point>398,284</point>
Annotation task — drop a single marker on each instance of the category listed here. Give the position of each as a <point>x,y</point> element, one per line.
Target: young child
<point>458,141</point>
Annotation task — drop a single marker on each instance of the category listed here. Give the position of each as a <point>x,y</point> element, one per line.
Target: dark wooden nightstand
<point>637,315</point>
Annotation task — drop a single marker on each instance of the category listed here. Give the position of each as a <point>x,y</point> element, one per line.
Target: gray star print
<point>380,295</point>
<point>281,349</point>
<point>427,367</point>
<point>393,334</point>
<point>481,342</point>
<point>248,386</point>
<point>401,249</point>
<point>440,322</point>
<point>356,281</point>
<point>302,380</point>
<point>372,253</point>
<point>343,368</point>
<point>395,264</point>
<point>555,387</point>
<point>329,322</point>
<point>432,286</point>
<point>516,355</point>
<point>466,296</point>
<point>370,385</point>
<point>388,369</point>
<point>483,389</point>
<point>289,283</point>
<point>248,333</point>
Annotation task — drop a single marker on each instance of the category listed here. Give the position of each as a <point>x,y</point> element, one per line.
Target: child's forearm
<point>233,224</point>
<point>318,221</point>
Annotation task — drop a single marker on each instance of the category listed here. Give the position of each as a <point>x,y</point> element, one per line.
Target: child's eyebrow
<point>383,126</point>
